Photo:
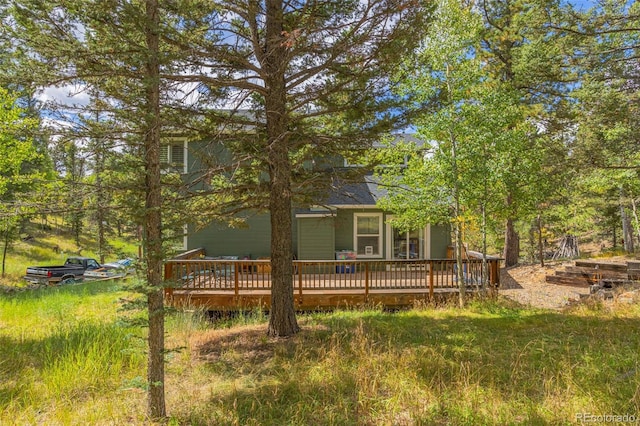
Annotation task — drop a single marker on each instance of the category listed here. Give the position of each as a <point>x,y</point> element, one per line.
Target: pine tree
<point>114,49</point>
<point>302,81</point>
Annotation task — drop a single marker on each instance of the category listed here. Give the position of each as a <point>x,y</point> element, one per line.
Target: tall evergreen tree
<point>519,52</point>
<point>74,172</point>
<point>606,143</point>
<point>315,78</point>
<point>315,74</point>
<point>111,48</point>
<point>474,129</point>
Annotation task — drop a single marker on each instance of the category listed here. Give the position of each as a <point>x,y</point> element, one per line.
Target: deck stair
<point>585,273</point>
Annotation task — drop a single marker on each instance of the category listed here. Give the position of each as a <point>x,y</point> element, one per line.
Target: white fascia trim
<point>355,206</point>
<point>303,215</point>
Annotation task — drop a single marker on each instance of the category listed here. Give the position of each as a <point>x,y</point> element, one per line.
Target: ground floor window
<point>406,244</point>
<point>368,234</point>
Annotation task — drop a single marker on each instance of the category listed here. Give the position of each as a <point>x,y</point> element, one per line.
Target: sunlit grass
<point>64,349</point>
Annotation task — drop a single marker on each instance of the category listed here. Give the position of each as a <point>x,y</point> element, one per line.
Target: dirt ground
<point>525,284</point>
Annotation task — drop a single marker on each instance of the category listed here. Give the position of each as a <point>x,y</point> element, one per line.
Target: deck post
<point>366,281</point>
<point>236,283</point>
<point>494,274</point>
<point>299,270</point>
<point>430,280</point>
<point>168,275</point>
<point>235,274</point>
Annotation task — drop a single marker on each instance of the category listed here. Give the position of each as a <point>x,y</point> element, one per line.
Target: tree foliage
<point>605,144</point>
<point>480,158</point>
<point>18,181</point>
<point>111,50</point>
<point>314,76</point>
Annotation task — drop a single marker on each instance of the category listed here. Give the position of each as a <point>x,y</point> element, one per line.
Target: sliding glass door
<point>406,244</point>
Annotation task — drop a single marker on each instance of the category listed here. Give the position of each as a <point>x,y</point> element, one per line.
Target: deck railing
<point>327,275</point>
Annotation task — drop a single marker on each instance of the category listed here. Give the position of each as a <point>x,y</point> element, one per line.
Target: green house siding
<point>253,240</point>
<point>440,239</point>
<point>219,240</point>
<point>313,238</point>
<point>316,238</point>
<point>344,230</point>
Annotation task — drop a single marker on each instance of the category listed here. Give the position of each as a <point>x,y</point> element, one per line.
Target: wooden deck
<point>219,284</point>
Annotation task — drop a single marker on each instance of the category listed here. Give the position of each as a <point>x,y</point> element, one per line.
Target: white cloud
<point>69,95</point>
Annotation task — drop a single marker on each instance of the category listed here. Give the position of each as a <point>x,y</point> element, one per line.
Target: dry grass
<point>491,364</point>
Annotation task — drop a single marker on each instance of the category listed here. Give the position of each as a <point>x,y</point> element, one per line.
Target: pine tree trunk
<point>99,154</point>
<point>153,219</point>
<point>511,244</point>
<point>282,319</point>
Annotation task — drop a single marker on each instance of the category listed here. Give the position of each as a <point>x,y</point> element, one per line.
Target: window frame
<point>425,234</point>
<point>166,150</point>
<point>380,217</point>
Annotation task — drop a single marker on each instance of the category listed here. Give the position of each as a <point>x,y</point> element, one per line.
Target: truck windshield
<point>92,264</point>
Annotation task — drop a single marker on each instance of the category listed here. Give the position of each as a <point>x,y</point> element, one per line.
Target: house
<point>346,222</point>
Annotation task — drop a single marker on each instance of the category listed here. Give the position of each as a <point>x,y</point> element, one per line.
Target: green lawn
<point>67,357</point>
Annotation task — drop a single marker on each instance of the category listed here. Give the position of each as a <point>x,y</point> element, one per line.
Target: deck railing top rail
<point>322,261</point>
<point>366,275</point>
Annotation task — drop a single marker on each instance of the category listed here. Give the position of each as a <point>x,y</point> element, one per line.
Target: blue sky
<point>582,4</point>
<point>587,4</point>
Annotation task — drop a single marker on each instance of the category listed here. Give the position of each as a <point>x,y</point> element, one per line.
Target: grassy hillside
<point>52,244</point>
<point>66,357</point>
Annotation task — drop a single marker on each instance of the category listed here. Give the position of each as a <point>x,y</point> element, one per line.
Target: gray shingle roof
<point>366,192</point>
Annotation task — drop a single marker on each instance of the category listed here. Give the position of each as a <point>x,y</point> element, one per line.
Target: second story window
<point>172,157</point>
